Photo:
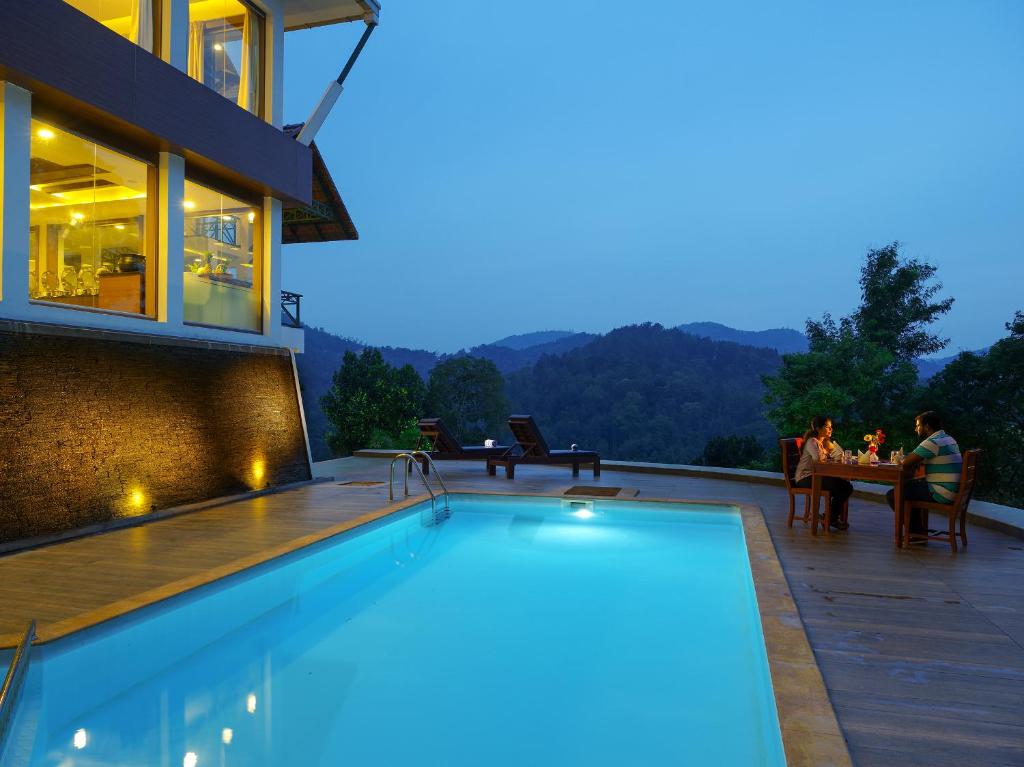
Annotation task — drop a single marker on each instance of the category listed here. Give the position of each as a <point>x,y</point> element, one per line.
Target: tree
<point>370,403</point>
<point>731,452</point>
<point>981,400</point>
<point>860,371</point>
<point>898,304</point>
<point>468,393</point>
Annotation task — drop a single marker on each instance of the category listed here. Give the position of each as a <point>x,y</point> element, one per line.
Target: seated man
<point>942,463</point>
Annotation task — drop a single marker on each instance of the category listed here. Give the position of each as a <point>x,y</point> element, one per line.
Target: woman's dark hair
<point>817,424</point>
<point>930,420</point>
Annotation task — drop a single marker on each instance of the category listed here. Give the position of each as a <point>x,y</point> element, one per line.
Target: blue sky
<point>585,165</point>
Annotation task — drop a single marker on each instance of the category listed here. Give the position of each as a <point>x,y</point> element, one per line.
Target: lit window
<point>222,259</point>
<point>133,19</point>
<point>225,49</point>
<point>92,234</point>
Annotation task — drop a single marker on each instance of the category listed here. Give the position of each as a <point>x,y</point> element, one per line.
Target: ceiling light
<point>80,739</point>
<point>226,736</point>
<point>190,760</point>
<point>76,216</point>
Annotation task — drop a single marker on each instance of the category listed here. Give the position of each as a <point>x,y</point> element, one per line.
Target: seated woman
<point>818,446</point>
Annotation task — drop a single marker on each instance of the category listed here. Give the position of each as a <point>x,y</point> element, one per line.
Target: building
<point>147,184</point>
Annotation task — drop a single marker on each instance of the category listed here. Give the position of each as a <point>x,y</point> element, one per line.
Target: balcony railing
<point>291,306</point>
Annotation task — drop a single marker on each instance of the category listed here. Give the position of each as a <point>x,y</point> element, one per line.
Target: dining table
<point>888,473</point>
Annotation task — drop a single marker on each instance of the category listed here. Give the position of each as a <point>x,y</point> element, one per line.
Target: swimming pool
<point>521,631</point>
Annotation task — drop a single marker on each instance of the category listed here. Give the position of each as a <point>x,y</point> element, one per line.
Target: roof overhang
<point>325,218</point>
<point>302,14</point>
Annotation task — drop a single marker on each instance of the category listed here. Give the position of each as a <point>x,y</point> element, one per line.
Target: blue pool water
<point>519,632</point>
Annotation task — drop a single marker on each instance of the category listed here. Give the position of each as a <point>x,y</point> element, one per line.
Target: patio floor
<point>922,651</point>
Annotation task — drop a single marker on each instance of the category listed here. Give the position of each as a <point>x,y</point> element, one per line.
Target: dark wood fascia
<point>88,78</point>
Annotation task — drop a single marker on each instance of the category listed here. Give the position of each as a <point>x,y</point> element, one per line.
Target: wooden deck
<point>922,651</point>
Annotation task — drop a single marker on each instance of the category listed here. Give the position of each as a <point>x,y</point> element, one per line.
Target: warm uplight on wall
<point>80,739</point>
<point>190,760</point>
<point>188,205</point>
<point>137,500</point>
<point>45,134</point>
<point>258,470</point>
<point>250,703</point>
<point>226,736</point>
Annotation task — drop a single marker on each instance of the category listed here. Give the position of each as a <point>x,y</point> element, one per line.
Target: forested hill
<point>782,340</point>
<point>511,358</point>
<point>646,393</point>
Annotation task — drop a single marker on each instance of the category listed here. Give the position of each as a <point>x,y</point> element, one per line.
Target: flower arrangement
<point>875,440</point>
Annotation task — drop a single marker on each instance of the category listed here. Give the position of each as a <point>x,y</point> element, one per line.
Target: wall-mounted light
<point>250,703</point>
<point>252,216</point>
<point>226,736</point>
<point>218,47</point>
<point>119,227</point>
<point>190,760</point>
<point>188,205</point>
<point>45,134</point>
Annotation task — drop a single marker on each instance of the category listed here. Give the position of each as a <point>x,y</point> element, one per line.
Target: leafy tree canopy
<point>731,452</point>
<point>981,399</point>
<point>898,303</point>
<point>468,394</point>
<point>371,402</point>
<point>860,371</point>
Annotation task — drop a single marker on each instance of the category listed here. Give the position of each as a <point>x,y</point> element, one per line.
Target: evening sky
<point>584,165</point>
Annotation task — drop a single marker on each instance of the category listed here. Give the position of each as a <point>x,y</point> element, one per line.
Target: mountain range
<point>517,354</point>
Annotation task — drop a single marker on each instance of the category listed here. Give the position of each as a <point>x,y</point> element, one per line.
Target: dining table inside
<point>887,473</point>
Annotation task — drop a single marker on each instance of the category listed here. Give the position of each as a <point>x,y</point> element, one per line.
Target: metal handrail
<point>12,682</point>
<point>433,468</point>
<point>391,482</point>
<point>410,461</point>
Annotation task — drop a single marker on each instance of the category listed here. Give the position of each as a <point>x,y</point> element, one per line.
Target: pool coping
<point>811,735</point>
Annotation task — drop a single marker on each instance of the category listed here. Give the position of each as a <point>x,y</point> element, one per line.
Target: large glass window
<point>222,260</point>
<point>133,19</point>
<point>225,44</point>
<point>92,228</point>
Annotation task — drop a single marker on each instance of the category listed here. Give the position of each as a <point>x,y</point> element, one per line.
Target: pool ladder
<point>411,460</point>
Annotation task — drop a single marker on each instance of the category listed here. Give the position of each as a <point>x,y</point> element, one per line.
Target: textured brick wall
<point>96,428</point>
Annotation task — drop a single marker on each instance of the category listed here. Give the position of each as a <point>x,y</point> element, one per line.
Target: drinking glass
<point>847,456</point>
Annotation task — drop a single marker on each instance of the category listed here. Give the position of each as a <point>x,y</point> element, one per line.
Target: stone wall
<point>97,427</point>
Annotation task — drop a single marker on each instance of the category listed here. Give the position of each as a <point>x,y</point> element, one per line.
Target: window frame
<point>151,236</point>
<point>226,189</point>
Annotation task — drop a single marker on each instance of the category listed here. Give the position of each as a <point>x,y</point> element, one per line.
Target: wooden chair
<point>790,458</point>
<point>535,451</point>
<point>953,511</point>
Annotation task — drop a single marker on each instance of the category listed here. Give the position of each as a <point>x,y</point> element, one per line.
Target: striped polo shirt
<point>942,464</point>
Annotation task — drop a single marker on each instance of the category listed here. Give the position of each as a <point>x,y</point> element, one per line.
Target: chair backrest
<point>968,471</point>
<point>441,440</point>
<point>790,458</point>
<point>527,435</point>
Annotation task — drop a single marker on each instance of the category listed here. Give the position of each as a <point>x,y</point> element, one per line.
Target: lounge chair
<point>442,445</point>
<point>535,450</point>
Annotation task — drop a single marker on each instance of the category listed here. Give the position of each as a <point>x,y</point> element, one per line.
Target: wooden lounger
<point>442,445</point>
<point>536,451</point>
